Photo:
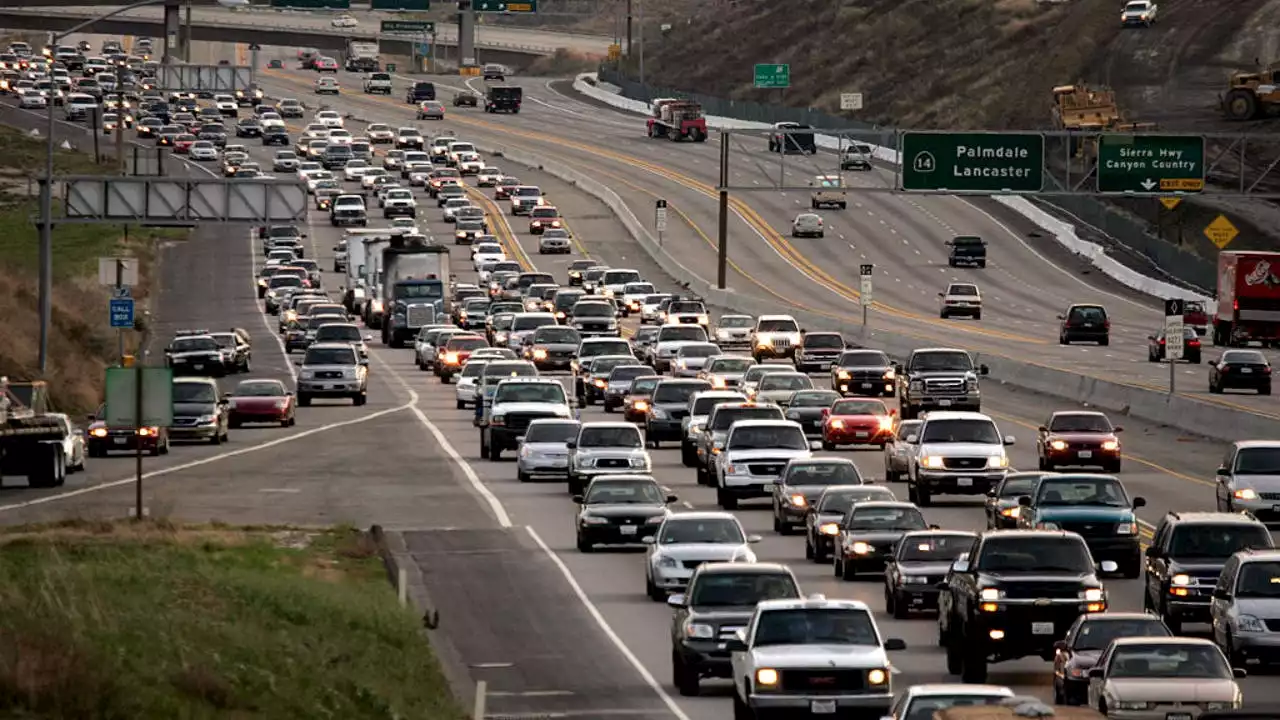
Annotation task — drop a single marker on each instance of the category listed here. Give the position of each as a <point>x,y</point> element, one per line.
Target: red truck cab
<point>1248,298</point>
<point>1194,315</point>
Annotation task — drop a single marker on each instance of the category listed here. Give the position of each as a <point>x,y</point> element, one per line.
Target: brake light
<point>1106,325</point>
<point>1193,343</point>
<point>1266,370</point>
<point>1161,341</point>
<point>1235,304</point>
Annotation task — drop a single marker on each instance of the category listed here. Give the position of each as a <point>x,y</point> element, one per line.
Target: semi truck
<point>676,120</point>
<point>1248,298</point>
<point>369,279</point>
<point>32,440</point>
<point>415,287</point>
<point>362,56</point>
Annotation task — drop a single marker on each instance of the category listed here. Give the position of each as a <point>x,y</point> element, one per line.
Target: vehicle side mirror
<point>1009,440</point>
<point>571,445</point>
<point>1060,645</point>
<point>226,397</point>
<point>991,492</point>
<point>676,601</point>
<point>1152,551</point>
<point>984,370</point>
<point>1117,429</point>
<point>364,362</point>
<point>1024,501</point>
<point>960,566</point>
<point>337,248</point>
<point>1108,566</point>
<point>895,644</point>
<point>1223,470</point>
<point>1239,673</point>
<point>672,498</point>
<point>649,540</point>
<point>90,418</point>
<point>913,439</point>
<point>1139,502</point>
<point>826,412</point>
<point>753,539</point>
<point>1221,595</point>
<point>297,362</point>
<point>1042,429</point>
<point>368,338</point>
<point>577,499</point>
<point>740,636</point>
<point>942,294</point>
<point>1097,673</point>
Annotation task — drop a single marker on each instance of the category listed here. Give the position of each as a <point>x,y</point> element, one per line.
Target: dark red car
<point>455,354</point>
<point>261,401</point>
<point>857,421</point>
<point>101,440</point>
<point>1078,439</point>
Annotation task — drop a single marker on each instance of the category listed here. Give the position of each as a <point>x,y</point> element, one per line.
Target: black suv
<point>419,92</point>
<point>863,372</point>
<point>720,599</point>
<point>1186,556</point>
<point>1013,595</point>
<point>967,250</point>
<point>1084,323</point>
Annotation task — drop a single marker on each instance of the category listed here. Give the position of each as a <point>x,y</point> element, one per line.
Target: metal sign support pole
<point>723,260</point>
<point>120,291</point>
<point>1173,378</point>
<point>120,120</point>
<point>137,440</point>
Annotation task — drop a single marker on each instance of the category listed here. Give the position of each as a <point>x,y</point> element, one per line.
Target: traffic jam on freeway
<point>614,390</point>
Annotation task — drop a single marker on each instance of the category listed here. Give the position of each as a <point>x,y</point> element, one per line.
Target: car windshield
<point>859,407</point>
<point>1243,357</point>
<point>823,342</point>
<point>718,531</point>
<point>1258,461</point>
<point>1098,632</point>
<point>531,322</point>
<point>788,381</point>
<point>908,428</point>
<point>315,322</point>
<point>1082,491</point>
<point>1079,423</point>
<point>638,289</point>
<point>939,361</point>
<point>558,335</point>
<point>687,333</point>
<point>1148,662</point>
<point>551,432</point>
<point>879,519</point>
<point>629,372</point>
<point>531,393</point>
<point>823,473</point>
<point>678,392</point>
<point>730,365</point>
<point>961,431</point>
<point>703,404</point>
<point>1019,486</point>
<point>195,392</point>
<point>1204,540</point>
<point>923,708</point>
<point>194,344</point>
<point>260,388</point>
<point>768,437</point>
<point>1019,554</point>
<point>937,547</point>
<point>815,626</point>
<point>605,365</point>
<point>778,326</point>
<point>1259,579</point>
<point>473,369</point>
<point>593,310</point>
<point>609,492</point>
<point>338,333</point>
<point>330,356</point>
<point>724,419</point>
<point>595,349</point>
<point>742,590</point>
<point>611,436</point>
<point>698,351</point>
<point>838,503</point>
<point>755,372</point>
<point>467,343</point>
<point>225,341</point>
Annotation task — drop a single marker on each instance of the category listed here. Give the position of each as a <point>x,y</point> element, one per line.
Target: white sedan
<point>315,178</point>
<point>307,169</point>
<point>31,99</point>
<point>380,133</point>
<point>271,119</point>
<point>469,163</point>
<point>488,176</point>
<point>339,137</point>
<point>487,253</point>
<point>73,443</point>
<point>409,226</point>
<point>355,170</point>
<point>329,118</point>
<point>451,208</point>
<point>345,21</point>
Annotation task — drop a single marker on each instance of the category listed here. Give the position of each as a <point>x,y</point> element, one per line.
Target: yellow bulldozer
<point>1252,95</point>
<point>1079,107</point>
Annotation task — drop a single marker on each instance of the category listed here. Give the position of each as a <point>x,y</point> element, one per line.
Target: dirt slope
<point>919,63</point>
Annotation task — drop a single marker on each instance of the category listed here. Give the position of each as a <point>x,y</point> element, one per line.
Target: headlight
<point>1058,445</point>
<point>1181,580</point>
<point>1093,595</point>
<point>766,676</point>
<point>667,561</point>
<point>861,548</point>
<point>933,462</point>
<point>764,341</point>
<point>916,386</point>
<point>998,461</point>
<point>798,500</point>
<point>1126,528</point>
<point>889,374</point>
<point>829,529</point>
<point>593,520</point>
<point>699,631</point>
<point>990,594</point>
<point>1012,512</point>
<point>641,406</point>
<point>837,424</point>
<point>703,320</point>
<point>877,677</point>
<point>539,354</point>
<point>98,432</point>
<point>1250,623</point>
<point>1110,445</point>
<point>1245,494</point>
<point>718,382</point>
<point>659,413</point>
<point>886,422</point>
<point>1220,706</point>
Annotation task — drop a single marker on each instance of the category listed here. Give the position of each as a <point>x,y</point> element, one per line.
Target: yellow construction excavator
<point>1252,95</point>
<point>1079,107</point>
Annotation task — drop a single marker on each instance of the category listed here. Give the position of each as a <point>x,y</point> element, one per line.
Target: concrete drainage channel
<point>1176,411</point>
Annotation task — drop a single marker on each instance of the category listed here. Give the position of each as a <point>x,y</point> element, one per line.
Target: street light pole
<point>46,192</point>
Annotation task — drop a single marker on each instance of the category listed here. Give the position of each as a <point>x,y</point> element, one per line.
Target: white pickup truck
<point>377,83</point>
<point>812,657</point>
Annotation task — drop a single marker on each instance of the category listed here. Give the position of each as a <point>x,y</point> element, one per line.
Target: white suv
<point>775,336</point>
<point>957,453</point>
<point>754,456</point>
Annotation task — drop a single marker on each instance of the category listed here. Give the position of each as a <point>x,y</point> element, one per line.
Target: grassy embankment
<point>81,344</point>
<point>128,620</point>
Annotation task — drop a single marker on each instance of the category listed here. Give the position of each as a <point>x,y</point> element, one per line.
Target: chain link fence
<point>1129,238</point>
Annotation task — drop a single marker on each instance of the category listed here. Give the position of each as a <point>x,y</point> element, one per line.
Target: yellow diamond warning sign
<point>1170,203</point>
<point>1221,231</point>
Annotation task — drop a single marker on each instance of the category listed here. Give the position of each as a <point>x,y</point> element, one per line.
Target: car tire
<point>523,476</point>
<point>583,545</point>
<point>216,439</point>
<point>304,400</point>
<point>975,666</point>
<point>684,677</point>
<point>725,500</point>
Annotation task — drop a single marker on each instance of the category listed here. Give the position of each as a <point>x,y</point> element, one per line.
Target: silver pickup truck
<point>377,83</point>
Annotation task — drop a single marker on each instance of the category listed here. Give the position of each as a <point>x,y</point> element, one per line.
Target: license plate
<point>198,366</point>
<point>822,707</point>
<point>1178,716</point>
<point>121,441</point>
<point>628,529</point>
<point>944,403</point>
<point>866,386</point>
<point>1245,371</point>
<point>1042,628</point>
<point>863,434</point>
<point>964,482</point>
<point>1086,454</point>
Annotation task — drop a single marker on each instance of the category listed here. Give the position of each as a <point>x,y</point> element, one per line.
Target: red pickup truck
<point>1195,315</point>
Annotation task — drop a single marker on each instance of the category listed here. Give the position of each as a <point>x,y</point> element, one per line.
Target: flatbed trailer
<point>31,439</point>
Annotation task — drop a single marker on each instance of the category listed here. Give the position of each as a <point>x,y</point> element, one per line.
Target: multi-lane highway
<point>549,628</point>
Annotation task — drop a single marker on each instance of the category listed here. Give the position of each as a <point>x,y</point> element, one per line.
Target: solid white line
<point>495,505</point>
<point>645,675</point>
<point>266,321</point>
<point>203,461</point>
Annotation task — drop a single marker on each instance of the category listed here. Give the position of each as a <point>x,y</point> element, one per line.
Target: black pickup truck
<point>967,250</point>
<point>1014,595</point>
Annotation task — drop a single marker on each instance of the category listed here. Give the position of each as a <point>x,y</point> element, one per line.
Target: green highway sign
<point>408,26</point>
<point>505,6</point>
<point>773,75</point>
<point>312,4</point>
<point>401,5</point>
<point>994,163</point>
<point>1150,164</point>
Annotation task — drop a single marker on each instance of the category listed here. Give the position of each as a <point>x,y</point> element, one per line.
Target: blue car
<point>1095,507</point>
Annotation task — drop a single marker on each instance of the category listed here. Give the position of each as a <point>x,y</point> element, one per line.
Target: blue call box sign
<point>122,313</point>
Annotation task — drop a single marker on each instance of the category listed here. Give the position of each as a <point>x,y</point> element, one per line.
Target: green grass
<point>127,621</point>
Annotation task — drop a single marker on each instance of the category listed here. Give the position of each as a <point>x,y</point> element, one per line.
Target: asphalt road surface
<point>551,629</point>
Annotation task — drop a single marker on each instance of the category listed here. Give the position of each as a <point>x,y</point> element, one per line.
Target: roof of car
<point>953,689</point>
<point>1242,444</point>
<point>1172,640</point>
<point>725,568</point>
<point>1105,616</point>
<point>1207,517</point>
<point>956,415</point>
<point>815,603</point>
<point>703,515</point>
<point>763,423</point>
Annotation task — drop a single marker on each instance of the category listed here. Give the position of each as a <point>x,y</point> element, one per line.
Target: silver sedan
<point>807,225</point>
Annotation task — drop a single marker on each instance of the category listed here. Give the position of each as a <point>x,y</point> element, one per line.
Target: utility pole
<point>723,260</point>
<point>120,118</point>
<point>628,28</point>
<point>640,36</point>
